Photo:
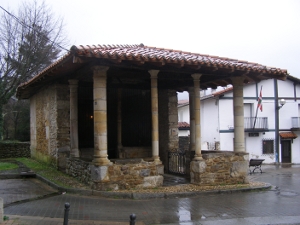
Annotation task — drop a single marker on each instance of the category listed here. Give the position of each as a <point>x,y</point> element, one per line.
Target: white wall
<point>183,133</point>
<point>183,114</point>
<point>217,118</point>
<point>210,120</point>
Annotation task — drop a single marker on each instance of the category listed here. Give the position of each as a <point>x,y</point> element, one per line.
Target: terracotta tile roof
<point>183,102</point>
<point>288,135</point>
<point>183,125</point>
<point>222,91</point>
<point>145,53</point>
<point>80,56</point>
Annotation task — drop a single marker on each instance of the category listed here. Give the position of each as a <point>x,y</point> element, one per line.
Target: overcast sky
<point>262,31</point>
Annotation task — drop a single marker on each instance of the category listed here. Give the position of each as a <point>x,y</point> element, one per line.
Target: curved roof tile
<point>141,53</point>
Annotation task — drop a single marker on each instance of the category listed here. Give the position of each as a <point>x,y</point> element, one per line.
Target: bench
<point>256,163</point>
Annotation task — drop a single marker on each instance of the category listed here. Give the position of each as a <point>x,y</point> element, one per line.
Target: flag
<point>259,104</point>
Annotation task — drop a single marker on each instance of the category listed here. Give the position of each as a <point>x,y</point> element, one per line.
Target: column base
<point>75,153</point>
<point>101,162</point>
<point>197,158</point>
<point>157,160</point>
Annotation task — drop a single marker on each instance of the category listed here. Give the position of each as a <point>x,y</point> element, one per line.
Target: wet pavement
<point>279,205</point>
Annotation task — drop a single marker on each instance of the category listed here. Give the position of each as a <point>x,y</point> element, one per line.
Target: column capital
<point>153,73</point>
<point>100,70</point>
<point>237,80</point>
<point>196,76</point>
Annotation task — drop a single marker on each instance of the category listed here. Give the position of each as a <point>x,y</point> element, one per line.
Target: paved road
<point>280,205</point>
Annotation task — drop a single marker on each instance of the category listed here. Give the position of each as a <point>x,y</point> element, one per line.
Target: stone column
<point>192,118</point>
<point>238,113</point>
<point>73,84</point>
<point>198,155</point>
<point>100,116</point>
<point>120,123</point>
<point>154,109</point>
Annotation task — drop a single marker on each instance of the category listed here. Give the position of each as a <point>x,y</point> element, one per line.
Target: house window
<point>268,146</point>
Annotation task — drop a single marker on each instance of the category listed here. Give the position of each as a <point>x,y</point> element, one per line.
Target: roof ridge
<point>75,48</point>
<point>103,46</point>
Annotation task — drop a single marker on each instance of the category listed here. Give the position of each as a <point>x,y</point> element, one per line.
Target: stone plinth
<point>220,168</point>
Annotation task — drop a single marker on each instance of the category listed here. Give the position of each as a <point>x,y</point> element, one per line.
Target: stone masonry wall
<point>45,105</point>
<point>14,150</point>
<point>63,125</point>
<point>123,174</point>
<point>127,174</point>
<point>79,169</point>
<point>51,126</point>
<point>173,120</point>
<point>168,124</point>
<point>184,143</point>
<point>219,168</point>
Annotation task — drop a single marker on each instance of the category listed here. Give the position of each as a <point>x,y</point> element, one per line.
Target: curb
<point>143,196</point>
<point>122,195</point>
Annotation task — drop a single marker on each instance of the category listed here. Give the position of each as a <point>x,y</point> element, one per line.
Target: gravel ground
<point>193,188</point>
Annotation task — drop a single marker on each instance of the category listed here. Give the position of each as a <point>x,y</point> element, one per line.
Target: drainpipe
<point>276,121</point>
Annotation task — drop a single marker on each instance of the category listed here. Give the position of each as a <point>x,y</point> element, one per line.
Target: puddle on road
<point>288,193</point>
<point>184,215</point>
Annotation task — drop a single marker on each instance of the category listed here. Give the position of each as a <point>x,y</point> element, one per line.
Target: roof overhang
<point>129,63</point>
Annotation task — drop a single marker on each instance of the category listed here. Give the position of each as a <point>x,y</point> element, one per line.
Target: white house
<point>183,118</point>
<point>271,134</point>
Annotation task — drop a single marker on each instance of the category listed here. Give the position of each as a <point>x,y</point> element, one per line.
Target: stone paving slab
<point>18,190</point>
<point>278,205</point>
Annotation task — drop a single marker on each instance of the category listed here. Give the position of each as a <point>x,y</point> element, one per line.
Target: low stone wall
<point>127,174</point>
<point>119,175</point>
<point>220,168</point>
<point>15,150</point>
<point>79,169</point>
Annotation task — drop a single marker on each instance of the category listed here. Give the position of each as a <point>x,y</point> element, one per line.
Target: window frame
<point>267,151</point>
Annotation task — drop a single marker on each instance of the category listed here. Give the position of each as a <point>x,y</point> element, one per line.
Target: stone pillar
<point>192,118</point>
<point>196,78</point>
<point>120,123</point>
<point>100,116</point>
<point>73,84</point>
<point>238,113</point>
<point>154,109</point>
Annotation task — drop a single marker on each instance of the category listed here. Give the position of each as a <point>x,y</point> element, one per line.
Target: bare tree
<point>29,42</point>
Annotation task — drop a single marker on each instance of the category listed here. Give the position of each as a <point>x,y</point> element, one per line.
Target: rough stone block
<point>160,169</point>
<point>239,169</point>
<point>145,172</point>
<point>151,182</point>
<point>198,166</point>
<point>99,173</point>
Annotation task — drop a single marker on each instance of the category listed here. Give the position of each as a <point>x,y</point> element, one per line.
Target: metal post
<point>276,121</point>
<point>66,216</point>
<point>132,219</point>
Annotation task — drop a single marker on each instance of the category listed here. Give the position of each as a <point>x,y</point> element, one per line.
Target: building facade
<point>269,134</point>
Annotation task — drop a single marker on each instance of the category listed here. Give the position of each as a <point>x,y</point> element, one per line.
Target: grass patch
<point>8,166</point>
<point>52,174</point>
<point>9,141</point>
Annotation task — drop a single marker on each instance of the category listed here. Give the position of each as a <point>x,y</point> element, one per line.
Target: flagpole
<point>257,109</point>
<point>255,118</point>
